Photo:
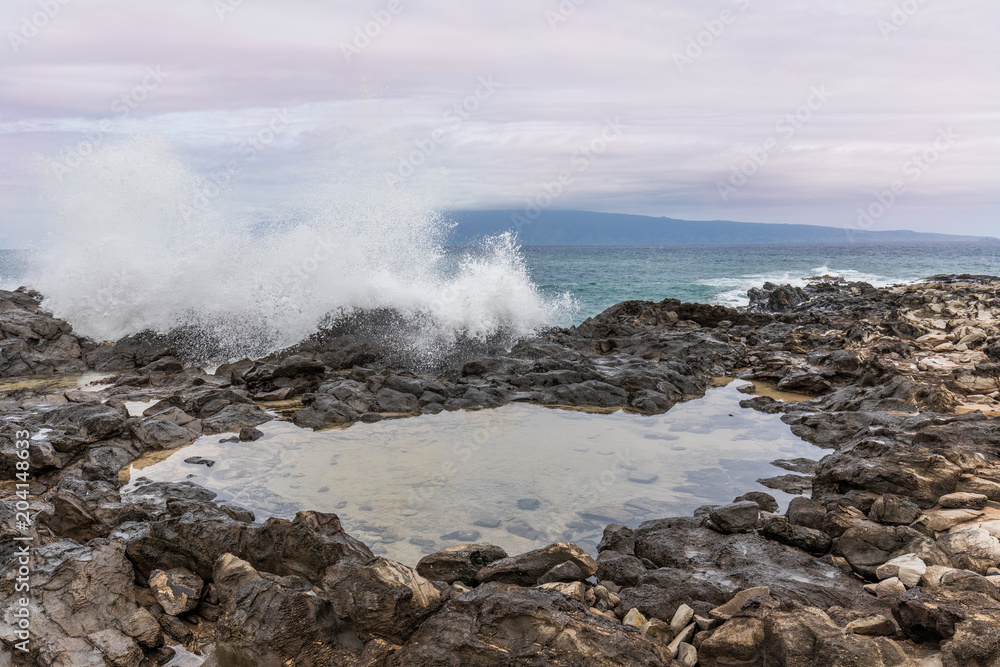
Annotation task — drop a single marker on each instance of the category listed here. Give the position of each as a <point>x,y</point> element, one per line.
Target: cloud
<point>687,125</point>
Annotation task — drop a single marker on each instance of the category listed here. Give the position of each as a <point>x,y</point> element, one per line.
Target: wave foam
<point>733,291</point>
<point>125,258</point>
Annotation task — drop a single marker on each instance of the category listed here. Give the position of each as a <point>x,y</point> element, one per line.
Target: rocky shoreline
<point>889,557</point>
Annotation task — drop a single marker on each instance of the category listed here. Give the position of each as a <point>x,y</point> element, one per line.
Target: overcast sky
<point>753,110</point>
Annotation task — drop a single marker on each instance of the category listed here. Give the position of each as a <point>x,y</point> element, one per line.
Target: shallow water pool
<point>519,476</point>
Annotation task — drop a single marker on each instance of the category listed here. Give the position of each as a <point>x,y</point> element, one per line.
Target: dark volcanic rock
<point>502,624</point>
<point>83,603</point>
<point>893,510</point>
<point>765,501</point>
<point>91,421</point>
<point>525,569</point>
<point>32,342</point>
<point>889,366</point>
<point>806,512</point>
<point>774,298</point>
<point>324,411</point>
<point>381,598</point>
<point>727,563</point>
<point>793,484</point>
<point>736,518</point>
<point>623,569</point>
<point>867,545</point>
<point>618,538</point>
<point>272,620</point>
<point>591,392</point>
<point>460,562</point>
<point>196,538</point>
<point>814,541</point>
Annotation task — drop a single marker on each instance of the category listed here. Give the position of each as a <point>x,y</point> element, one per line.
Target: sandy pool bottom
<point>519,476</point>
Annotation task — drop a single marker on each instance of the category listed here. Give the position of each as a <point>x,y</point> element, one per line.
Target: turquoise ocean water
<point>601,276</point>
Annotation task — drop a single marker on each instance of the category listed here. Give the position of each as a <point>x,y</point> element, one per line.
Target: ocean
<point>585,280</point>
<point>600,276</point>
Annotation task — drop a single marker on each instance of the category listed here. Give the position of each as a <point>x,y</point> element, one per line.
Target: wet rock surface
<point>888,555</point>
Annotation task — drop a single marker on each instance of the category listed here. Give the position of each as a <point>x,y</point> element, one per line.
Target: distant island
<point>592,228</point>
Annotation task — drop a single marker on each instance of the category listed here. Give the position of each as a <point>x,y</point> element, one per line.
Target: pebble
<point>487,521</point>
<point>197,460</point>
<point>682,617</point>
<point>634,618</point>
<point>687,654</point>
<point>643,477</point>
<point>873,626</point>
<point>528,503</point>
<point>462,536</point>
<point>250,434</point>
<point>607,513</point>
<point>889,588</point>
<point>684,637</point>
<point>657,629</point>
<point>522,529</point>
<point>422,542</point>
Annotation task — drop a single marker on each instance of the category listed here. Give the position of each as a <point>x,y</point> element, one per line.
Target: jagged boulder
<point>82,607</point>
<point>503,624</point>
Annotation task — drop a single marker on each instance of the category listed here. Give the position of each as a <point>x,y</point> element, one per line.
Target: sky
<point>867,114</point>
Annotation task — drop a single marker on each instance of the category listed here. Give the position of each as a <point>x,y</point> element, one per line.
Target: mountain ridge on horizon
<point>573,227</point>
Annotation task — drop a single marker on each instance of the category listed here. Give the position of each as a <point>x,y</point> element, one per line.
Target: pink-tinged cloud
<point>700,88</point>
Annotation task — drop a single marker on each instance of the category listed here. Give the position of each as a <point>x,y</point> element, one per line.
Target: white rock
<point>908,568</point>
<point>932,577</point>
<point>657,629</point>
<point>571,589</point>
<point>683,637</point>
<point>977,542</point>
<point>687,654</point>
<point>889,588</point>
<point>682,617</point>
<point>634,618</point>
<point>992,527</point>
<point>704,623</point>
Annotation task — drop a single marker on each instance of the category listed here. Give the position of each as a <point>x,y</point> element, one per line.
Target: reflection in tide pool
<point>520,476</point>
